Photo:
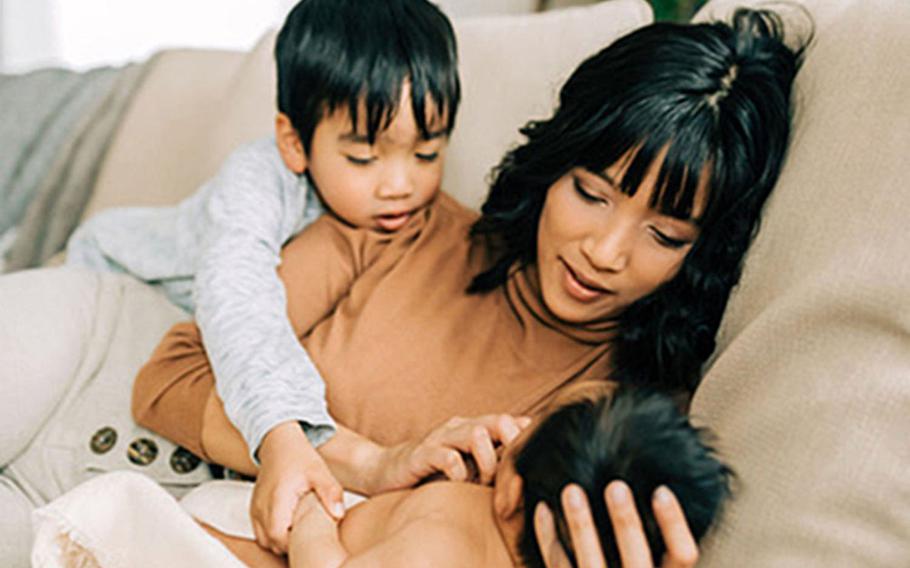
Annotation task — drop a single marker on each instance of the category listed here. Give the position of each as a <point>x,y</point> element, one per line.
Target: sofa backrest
<point>196,106</point>
<point>810,392</point>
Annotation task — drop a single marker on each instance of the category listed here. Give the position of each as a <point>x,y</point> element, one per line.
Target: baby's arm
<point>315,543</point>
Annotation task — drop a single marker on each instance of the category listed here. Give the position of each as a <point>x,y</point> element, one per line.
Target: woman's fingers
<point>550,549</point>
<point>630,536</point>
<point>682,551</point>
<point>585,540</point>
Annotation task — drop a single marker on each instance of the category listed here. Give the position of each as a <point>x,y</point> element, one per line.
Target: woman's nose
<point>609,251</point>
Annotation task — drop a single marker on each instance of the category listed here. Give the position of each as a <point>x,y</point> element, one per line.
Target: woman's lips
<point>580,289</point>
<point>394,221</point>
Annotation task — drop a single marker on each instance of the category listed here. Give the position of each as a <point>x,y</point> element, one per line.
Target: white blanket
<point>126,519</point>
<point>122,519</point>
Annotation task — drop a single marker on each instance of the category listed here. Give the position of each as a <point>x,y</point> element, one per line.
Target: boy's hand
<point>290,469</point>
<point>441,451</point>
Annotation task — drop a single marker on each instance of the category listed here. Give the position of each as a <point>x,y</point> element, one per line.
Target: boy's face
<point>379,186</point>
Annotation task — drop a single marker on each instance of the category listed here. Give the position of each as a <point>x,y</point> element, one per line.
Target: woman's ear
<point>289,145</point>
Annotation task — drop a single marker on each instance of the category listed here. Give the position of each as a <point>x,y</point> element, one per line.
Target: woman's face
<point>599,250</point>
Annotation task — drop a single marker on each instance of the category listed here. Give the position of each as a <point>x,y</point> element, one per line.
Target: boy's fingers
<point>506,428</point>
<point>585,540</point>
<point>552,552</point>
<point>450,462</point>
<point>330,494</point>
<point>260,535</point>
<point>484,454</point>
<point>682,550</point>
<point>630,536</point>
<point>279,525</point>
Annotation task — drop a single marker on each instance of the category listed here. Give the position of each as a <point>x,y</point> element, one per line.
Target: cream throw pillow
<point>810,394</point>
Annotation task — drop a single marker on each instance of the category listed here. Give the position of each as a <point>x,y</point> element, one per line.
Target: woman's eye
<point>428,157</point>
<point>360,161</point>
<point>669,242</point>
<point>585,194</point>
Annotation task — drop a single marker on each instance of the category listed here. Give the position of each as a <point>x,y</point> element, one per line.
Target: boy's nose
<point>395,185</point>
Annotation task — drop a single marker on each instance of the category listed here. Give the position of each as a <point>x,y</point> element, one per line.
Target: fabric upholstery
<point>810,394</point>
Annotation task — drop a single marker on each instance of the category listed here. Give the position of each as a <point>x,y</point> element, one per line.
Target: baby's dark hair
<point>638,436</point>
<point>704,102</point>
<point>357,54</point>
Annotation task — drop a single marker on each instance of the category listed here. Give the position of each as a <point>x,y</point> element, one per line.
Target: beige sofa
<point>809,392</point>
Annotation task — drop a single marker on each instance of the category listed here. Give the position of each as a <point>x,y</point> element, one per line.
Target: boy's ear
<point>289,144</point>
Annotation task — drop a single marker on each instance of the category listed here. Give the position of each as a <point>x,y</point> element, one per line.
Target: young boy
<point>368,91</point>
<point>589,436</point>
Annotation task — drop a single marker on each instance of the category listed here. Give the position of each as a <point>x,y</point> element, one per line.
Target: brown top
<point>402,347</point>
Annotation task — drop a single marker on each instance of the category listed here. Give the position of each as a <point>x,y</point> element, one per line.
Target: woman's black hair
<point>715,98</point>
<point>638,436</point>
<point>334,54</point>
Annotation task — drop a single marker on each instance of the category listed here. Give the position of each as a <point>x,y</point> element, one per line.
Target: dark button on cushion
<point>183,461</point>
<point>103,440</point>
<point>142,451</point>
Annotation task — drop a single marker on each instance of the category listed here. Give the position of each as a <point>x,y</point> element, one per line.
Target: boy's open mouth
<point>393,221</point>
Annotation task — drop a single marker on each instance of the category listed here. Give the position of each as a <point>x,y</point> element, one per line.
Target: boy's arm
<point>263,375</point>
<point>315,543</point>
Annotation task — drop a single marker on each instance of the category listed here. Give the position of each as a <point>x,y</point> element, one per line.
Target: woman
<point>607,248</point>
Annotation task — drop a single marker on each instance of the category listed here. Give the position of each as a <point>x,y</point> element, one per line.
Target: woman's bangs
<point>637,145</point>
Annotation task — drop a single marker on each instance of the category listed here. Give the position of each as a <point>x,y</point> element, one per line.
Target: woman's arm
<point>171,390</point>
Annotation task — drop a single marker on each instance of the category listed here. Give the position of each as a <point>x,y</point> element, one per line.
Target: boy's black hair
<point>716,98</point>
<point>335,54</point>
<point>638,436</point>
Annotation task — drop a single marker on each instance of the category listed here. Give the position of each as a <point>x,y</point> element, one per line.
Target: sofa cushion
<point>810,394</point>
<point>512,68</point>
<point>72,342</point>
<point>196,106</point>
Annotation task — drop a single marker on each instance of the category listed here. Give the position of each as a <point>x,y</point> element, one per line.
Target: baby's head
<point>368,91</point>
<point>593,436</point>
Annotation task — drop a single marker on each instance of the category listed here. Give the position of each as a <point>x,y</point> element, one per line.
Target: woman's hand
<point>682,551</point>
<point>442,450</point>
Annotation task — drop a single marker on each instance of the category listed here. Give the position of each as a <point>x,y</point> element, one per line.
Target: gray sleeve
<point>263,375</point>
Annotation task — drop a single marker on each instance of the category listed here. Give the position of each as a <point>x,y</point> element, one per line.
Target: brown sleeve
<point>171,389</point>
<point>170,392</point>
<point>318,268</point>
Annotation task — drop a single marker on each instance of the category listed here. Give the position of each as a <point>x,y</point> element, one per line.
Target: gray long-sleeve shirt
<point>215,255</point>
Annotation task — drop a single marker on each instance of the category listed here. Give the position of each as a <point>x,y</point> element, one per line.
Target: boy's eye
<point>585,194</point>
<point>360,161</point>
<point>669,242</point>
<point>431,157</point>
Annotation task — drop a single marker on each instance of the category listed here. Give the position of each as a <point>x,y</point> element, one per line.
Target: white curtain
<point>81,34</point>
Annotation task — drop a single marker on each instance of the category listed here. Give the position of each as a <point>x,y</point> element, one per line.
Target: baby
<point>589,436</point>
